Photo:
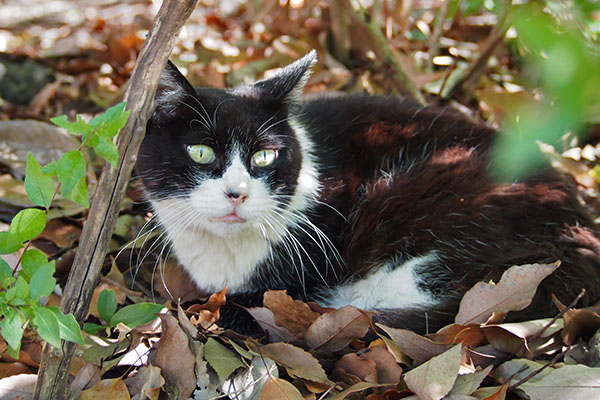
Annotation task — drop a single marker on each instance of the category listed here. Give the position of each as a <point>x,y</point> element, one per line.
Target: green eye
<point>201,153</point>
<point>264,157</point>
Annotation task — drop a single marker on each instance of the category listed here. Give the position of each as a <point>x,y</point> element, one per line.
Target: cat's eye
<point>201,153</point>
<point>264,157</point>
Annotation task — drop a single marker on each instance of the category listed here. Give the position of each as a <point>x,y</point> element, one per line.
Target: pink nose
<point>236,198</point>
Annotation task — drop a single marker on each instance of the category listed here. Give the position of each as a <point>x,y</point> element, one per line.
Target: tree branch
<point>54,369</point>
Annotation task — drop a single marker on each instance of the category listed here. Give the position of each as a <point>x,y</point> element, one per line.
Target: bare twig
<point>537,371</point>
<point>467,84</point>
<point>378,44</point>
<point>438,29</point>
<point>560,314</point>
<point>54,369</point>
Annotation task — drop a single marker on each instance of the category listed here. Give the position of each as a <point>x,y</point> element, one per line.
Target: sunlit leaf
<point>47,326</point>
<point>39,187</point>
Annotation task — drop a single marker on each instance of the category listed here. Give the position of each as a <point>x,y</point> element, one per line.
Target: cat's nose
<point>236,198</point>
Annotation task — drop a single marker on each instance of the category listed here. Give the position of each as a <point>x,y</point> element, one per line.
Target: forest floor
<point>75,57</point>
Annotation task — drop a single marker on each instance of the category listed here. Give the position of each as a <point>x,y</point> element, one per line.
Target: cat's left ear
<point>286,86</point>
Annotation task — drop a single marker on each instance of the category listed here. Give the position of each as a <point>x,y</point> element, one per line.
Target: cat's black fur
<point>397,181</point>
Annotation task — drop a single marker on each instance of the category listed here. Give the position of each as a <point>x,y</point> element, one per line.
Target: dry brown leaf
<point>518,368</point>
<point>503,340</point>
<point>293,315</point>
<point>208,313</point>
<point>266,320</point>
<point>364,369</point>
<point>14,368</point>
<point>147,382</point>
<point>388,370</point>
<point>88,376</point>
<point>333,331</point>
<point>417,347</point>
<point>358,387</point>
<point>174,357</point>
<point>492,393</point>
<point>513,292</point>
<point>296,361</point>
<point>113,389</point>
<point>435,378</point>
<point>470,336</point>
<point>577,322</point>
<point>279,389</point>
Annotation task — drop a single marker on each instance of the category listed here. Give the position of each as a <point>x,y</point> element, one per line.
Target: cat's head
<point>229,161</point>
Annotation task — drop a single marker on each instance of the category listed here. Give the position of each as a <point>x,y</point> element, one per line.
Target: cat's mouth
<point>232,218</point>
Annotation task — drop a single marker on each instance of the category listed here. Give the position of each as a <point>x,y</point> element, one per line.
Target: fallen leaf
<point>467,383</point>
<point>221,359</point>
<point>503,340</point>
<point>148,381</point>
<point>364,369</point>
<point>571,382</point>
<point>513,292</point>
<point>280,389</point>
<point>470,336</point>
<point>248,383</point>
<point>266,320</point>
<point>333,331</point>
<point>114,389</point>
<point>388,370</point>
<point>18,386</point>
<point>174,357</point>
<point>293,315</point>
<point>88,376</point>
<point>435,378</point>
<point>208,313</point>
<point>417,347</point>
<point>358,387</point>
<point>491,393</point>
<point>296,361</point>
<point>14,368</point>
<point>516,369</point>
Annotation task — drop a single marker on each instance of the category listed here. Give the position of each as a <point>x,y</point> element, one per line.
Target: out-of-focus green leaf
<point>39,187</point>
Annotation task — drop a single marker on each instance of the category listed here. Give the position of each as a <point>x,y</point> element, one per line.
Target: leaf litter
<point>312,352</point>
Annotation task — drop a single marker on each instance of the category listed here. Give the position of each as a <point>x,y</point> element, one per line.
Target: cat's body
<point>364,200</point>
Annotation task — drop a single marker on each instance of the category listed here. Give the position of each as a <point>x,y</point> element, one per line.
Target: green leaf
<point>135,314</point>
<point>32,259</point>
<point>42,282</point>
<point>107,150</point>
<point>39,187</point>
<point>221,359</point>
<point>91,328</point>
<point>5,272</point>
<point>69,328</point>
<point>47,325</point>
<point>49,169</point>
<point>9,243</point>
<point>107,304</point>
<point>109,123</point>
<point>70,169</point>
<point>79,127</point>
<point>22,289</point>
<point>11,328</point>
<point>27,224</point>
<point>80,193</point>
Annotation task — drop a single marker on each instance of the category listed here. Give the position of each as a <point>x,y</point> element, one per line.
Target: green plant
<point>31,279</point>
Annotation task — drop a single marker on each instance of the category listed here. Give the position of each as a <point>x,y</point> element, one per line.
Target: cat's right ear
<point>172,89</point>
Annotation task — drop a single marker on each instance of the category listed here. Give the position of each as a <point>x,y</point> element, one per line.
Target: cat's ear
<point>286,86</point>
<point>172,88</point>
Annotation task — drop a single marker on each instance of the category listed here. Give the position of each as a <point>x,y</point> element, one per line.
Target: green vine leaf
<point>135,314</point>
<point>47,325</point>
<point>32,259</point>
<point>107,304</point>
<point>70,169</point>
<point>39,187</point>
<point>27,224</point>
<point>68,326</point>
<point>80,193</point>
<point>42,282</point>
<point>11,329</point>
<point>107,150</point>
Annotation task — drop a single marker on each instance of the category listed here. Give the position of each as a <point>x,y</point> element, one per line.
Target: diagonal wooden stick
<point>54,369</point>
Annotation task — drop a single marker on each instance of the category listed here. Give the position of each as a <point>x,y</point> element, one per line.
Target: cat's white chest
<point>215,262</point>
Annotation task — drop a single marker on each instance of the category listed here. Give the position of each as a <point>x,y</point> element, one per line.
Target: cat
<point>373,201</point>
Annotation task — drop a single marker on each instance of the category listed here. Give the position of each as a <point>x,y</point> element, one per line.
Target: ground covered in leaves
<point>63,57</point>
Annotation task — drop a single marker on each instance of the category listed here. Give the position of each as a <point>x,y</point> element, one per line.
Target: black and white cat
<point>364,200</point>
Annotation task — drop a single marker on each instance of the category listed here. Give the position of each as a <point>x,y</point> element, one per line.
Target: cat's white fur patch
<point>391,286</point>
